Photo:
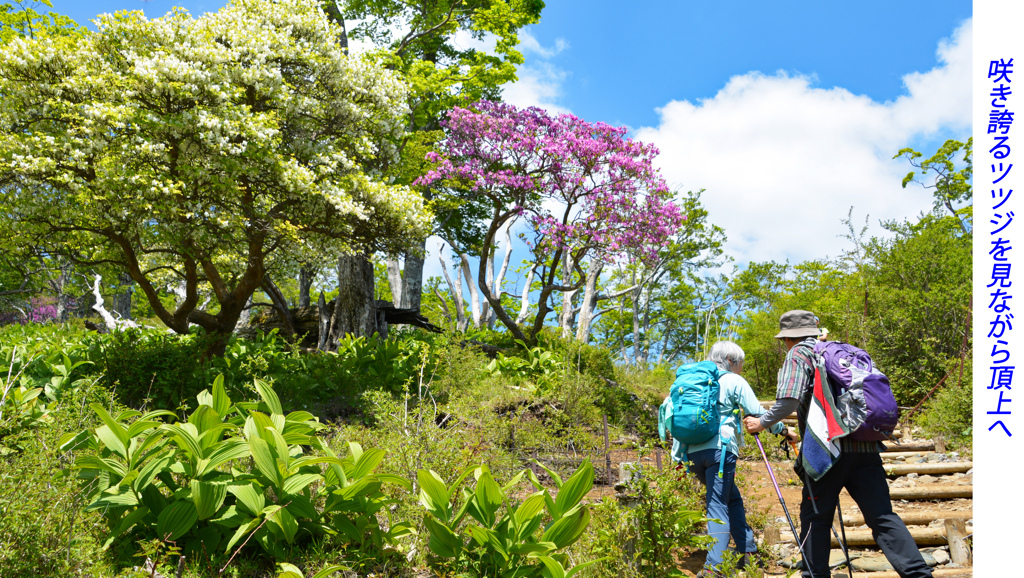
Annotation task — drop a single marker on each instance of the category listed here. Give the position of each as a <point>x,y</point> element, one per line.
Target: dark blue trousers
<point>864,478</point>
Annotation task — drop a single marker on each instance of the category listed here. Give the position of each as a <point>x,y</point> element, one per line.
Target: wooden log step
<point>922,536</point>
<point>909,447</point>
<point>936,573</point>
<point>890,456</point>
<point>918,518</point>
<point>956,535</point>
<point>932,493</point>
<point>933,468</point>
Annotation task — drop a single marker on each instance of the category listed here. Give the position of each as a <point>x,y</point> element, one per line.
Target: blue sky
<point>623,63</point>
<point>784,112</point>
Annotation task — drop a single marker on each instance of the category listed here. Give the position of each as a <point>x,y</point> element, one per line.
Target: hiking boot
<point>750,561</point>
<point>708,573</point>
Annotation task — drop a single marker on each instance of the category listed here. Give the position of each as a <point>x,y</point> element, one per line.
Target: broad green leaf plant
<point>191,482</point>
<point>20,403</point>
<point>490,534</point>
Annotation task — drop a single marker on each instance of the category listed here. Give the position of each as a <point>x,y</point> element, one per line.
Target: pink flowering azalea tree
<point>585,189</point>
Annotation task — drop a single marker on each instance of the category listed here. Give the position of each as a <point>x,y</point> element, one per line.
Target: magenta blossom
<point>586,189</point>
<point>584,186</point>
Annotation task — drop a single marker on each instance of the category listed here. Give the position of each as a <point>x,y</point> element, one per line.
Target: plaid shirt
<point>796,380</point>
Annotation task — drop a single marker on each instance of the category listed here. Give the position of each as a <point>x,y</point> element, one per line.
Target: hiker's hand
<point>752,424</point>
<point>792,436</point>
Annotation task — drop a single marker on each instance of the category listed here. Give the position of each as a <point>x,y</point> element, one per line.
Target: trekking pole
<point>842,542</point>
<point>796,450</point>
<point>792,526</point>
<point>842,528</point>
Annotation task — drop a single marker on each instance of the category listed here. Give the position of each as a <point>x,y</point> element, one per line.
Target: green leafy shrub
<point>30,385</point>
<point>328,384</point>
<point>391,363</point>
<point>43,531</point>
<point>587,359</point>
<point>143,365</point>
<point>38,368</point>
<point>162,370</point>
<point>950,411</point>
<point>658,521</point>
<point>20,406</point>
<point>506,545</point>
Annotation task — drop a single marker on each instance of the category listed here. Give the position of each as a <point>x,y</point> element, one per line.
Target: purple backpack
<point>863,395</point>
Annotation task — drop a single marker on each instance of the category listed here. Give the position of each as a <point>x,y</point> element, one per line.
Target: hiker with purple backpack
<point>840,443</point>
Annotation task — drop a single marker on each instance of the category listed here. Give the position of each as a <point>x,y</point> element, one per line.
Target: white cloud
<point>529,44</point>
<point>783,160</point>
<point>540,82</point>
<point>538,85</point>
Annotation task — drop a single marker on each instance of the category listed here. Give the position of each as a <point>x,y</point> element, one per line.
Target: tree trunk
<point>589,301</point>
<point>464,324</point>
<point>281,305</point>
<point>636,322</point>
<point>549,286</point>
<point>60,288</point>
<point>58,285</point>
<point>305,284</point>
<point>412,278</point>
<point>122,302</point>
<point>647,326</point>
<point>395,280</point>
<point>565,317</point>
<point>243,319</point>
<point>355,312</point>
<point>323,337</point>
<point>485,307</point>
<point>500,279</point>
<point>524,308</point>
<point>474,295</point>
<point>455,290</point>
<point>331,9</point>
<point>495,300</point>
<point>111,323</point>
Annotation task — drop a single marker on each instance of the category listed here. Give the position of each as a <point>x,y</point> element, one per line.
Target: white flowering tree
<point>202,149</point>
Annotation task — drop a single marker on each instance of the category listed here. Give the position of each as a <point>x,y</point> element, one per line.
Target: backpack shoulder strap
<point>732,397</point>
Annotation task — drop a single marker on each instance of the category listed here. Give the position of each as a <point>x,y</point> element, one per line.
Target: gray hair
<point>726,355</point>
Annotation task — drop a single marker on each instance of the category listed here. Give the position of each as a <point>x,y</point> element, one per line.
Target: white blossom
<point>203,128</point>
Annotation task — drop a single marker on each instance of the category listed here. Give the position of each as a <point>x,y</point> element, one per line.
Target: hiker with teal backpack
<point>703,414</point>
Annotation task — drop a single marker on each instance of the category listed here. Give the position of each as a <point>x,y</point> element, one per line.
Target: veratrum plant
<point>20,406</point>
<point>537,372</point>
<point>186,482</point>
<point>507,545</point>
<point>394,363</point>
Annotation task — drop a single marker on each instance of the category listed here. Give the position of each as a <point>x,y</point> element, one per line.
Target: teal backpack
<point>695,417</point>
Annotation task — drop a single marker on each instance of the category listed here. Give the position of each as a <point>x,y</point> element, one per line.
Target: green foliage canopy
<point>28,22</point>
<point>952,185</point>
